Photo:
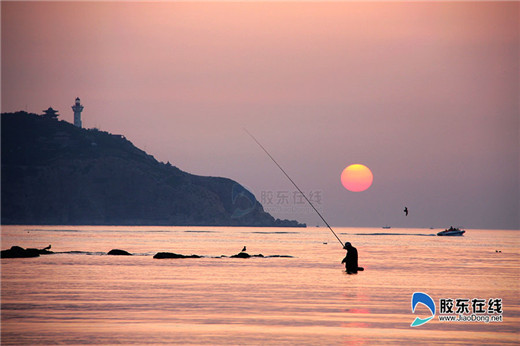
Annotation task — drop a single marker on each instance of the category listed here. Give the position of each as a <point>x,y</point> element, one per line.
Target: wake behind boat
<point>452,231</point>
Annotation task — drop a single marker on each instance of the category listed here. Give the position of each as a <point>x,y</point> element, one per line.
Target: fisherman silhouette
<point>405,211</point>
<point>244,249</point>
<point>351,259</point>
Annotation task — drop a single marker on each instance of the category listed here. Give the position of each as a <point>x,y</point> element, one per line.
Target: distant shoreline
<point>151,225</point>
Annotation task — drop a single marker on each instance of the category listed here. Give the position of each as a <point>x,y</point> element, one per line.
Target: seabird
<point>405,211</point>
<point>244,249</point>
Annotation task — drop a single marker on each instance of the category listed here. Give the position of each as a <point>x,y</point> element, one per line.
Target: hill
<point>56,173</point>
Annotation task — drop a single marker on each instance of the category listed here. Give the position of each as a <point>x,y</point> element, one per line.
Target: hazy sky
<point>424,94</point>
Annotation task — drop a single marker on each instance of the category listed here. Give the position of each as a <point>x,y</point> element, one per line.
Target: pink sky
<point>425,94</point>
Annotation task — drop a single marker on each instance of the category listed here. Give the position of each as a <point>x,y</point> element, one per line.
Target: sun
<point>357,177</point>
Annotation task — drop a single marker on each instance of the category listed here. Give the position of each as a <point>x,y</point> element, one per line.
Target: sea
<point>80,295</point>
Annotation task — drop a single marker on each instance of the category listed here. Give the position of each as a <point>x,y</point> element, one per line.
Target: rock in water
<point>117,252</point>
<point>19,252</point>
<point>161,255</point>
<point>241,255</point>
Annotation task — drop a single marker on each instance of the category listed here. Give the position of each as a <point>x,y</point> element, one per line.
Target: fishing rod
<point>296,186</point>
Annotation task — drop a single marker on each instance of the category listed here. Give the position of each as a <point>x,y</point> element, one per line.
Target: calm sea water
<point>82,296</point>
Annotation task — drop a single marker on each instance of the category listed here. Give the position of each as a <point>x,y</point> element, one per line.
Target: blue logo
<point>422,298</point>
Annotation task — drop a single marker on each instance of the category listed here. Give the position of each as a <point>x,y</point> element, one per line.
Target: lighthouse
<point>77,108</point>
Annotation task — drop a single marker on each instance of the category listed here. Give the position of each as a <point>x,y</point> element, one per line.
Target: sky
<point>424,94</point>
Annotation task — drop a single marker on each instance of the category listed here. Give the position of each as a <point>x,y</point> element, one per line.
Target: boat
<point>452,231</point>
<point>387,227</point>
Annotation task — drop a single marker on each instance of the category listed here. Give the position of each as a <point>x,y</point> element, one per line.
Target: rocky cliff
<point>56,173</point>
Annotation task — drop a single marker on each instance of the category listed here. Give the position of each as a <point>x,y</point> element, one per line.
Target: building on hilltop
<point>50,113</point>
<point>77,108</point>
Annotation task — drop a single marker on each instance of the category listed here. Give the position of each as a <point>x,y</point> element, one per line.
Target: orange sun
<point>356,178</point>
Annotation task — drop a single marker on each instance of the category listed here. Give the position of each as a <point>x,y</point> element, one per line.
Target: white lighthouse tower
<point>77,108</point>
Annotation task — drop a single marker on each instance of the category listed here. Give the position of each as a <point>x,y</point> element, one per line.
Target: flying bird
<point>405,211</point>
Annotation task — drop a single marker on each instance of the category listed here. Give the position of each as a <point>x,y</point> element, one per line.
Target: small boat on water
<point>452,231</point>
<point>387,227</point>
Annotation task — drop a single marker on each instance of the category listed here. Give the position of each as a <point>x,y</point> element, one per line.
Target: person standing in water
<point>351,259</point>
